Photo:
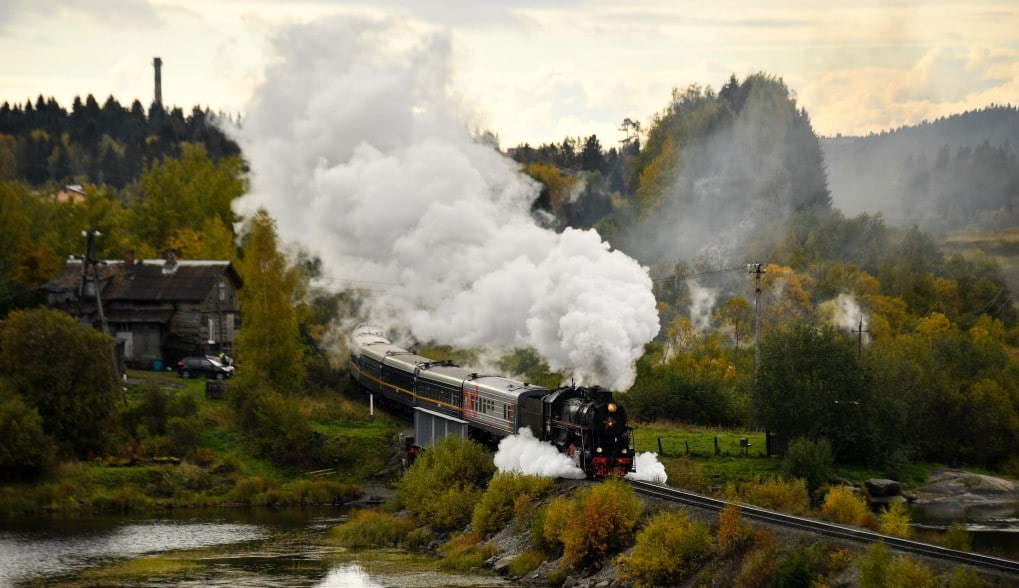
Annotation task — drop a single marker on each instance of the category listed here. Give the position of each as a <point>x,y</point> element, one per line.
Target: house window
<point>222,290</point>
<point>212,330</point>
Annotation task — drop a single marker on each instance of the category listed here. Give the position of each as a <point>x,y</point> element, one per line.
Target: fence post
<point>660,451</point>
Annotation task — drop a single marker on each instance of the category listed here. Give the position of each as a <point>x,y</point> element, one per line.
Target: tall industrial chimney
<point>158,64</point>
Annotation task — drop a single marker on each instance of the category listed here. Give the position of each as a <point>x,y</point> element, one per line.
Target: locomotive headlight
<point>625,450</point>
<point>599,450</point>
<point>612,407</point>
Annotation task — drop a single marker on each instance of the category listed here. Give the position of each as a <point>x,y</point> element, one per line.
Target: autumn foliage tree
<point>268,347</point>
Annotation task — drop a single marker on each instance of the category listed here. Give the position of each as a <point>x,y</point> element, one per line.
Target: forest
<point>778,311</point>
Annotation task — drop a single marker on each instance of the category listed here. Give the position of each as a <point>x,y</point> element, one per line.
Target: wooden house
<point>158,310</point>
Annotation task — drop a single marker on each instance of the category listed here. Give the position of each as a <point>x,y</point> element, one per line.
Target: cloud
<point>943,81</point>
<point>75,14</point>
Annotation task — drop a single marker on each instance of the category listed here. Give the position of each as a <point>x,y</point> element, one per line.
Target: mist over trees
<point>956,173</point>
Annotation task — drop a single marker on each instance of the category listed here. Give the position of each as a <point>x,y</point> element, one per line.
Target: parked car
<point>191,367</point>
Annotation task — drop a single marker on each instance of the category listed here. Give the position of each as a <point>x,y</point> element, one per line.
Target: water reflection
<point>348,576</point>
<point>256,548</point>
<point>51,548</point>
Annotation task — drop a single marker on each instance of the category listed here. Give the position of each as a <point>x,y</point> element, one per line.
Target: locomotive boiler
<point>585,423</point>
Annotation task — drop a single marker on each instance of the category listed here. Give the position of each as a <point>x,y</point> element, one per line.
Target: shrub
<point>593,523</point>
<point>905,572</point>
<point>668,550</point>
<point>321,491</point>
<point>525,563</point>
<point>957,537</point>
<point>788,496</point>
<point>465,553</point>
<point>733,533</point>
<point>966,577</point>
<point>444,484</point>
<point>499,502</point>
<point>418,539</point>
<point>895,521</point>
<point>553,521</point>
<point>248,489</point>
<point>842,505</point>
<point>797,569</point>
<point>874,566</point>
<point>368,529</point>
<point>759,563</point>
<point>24,445</point>
<point>810,460</point>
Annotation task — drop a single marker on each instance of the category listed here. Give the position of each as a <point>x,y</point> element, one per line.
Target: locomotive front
<point>592,427</point>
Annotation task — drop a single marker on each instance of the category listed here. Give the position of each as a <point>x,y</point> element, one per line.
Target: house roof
<point>148,280</point>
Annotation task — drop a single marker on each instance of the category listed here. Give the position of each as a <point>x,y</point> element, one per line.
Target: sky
<point>539,70</point>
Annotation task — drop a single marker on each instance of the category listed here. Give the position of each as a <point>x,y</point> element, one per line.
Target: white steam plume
<point>359,151</point>
<point>844,312</point>
<point>525,454</point>
<point>647,468</point>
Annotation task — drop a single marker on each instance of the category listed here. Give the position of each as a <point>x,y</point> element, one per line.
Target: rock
<point>959,486</point>
<point>882,488</point>
<point>502,564</point>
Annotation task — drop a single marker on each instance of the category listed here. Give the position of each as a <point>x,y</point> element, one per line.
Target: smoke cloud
<point>525,454</point>
<point>360,150</point>
<point>648,469</point>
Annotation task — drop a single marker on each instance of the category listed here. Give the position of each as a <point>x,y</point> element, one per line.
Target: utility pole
<point>755,270</point>
<point>859,337</point>
<point>90,261</point>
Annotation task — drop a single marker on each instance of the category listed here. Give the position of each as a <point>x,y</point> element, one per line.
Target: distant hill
<point>958,172</point>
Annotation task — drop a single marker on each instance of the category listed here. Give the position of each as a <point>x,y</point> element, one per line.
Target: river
<point>250,548</point>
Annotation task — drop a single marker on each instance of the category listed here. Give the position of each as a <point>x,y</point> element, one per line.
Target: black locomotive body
<point>583,423</point>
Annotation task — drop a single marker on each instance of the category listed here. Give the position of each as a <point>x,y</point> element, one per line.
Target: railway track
<point>832,530</point>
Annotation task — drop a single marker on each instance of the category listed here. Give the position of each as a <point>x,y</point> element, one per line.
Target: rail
<point>832,530</point>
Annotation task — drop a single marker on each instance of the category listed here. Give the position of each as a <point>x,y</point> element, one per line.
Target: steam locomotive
<point>584,423</point>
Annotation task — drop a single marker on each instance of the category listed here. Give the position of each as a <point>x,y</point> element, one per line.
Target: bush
<point>370,529</point>
<point>810,460</point>
<point>789,496</point>
<point>758,565</point>
<point>249,489</point>
<point>733,533</point>
<point>957,537</point>
<point>594,523</point>
<point>879,570</point>
<point>418,539</point>
<point>966,577</point>
<point>500,501</point>
<point>895,521</point>
<point>668,550</point>
<point>525,563</point>
<point>465,553</point>
<point>843,505</point>
<point>24,446</point>
<point>799,568</point>
<point>444,484</point>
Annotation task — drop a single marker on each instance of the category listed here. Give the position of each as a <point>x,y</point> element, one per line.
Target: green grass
<point>733,464</point>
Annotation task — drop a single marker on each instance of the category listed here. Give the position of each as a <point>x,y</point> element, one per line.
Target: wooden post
<point>660,450</point>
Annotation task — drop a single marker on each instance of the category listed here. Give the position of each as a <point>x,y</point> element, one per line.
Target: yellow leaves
<point>934,325</point>
<point>843,505</point>
<point>559,187</point>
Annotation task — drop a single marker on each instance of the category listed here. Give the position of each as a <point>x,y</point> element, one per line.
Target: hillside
<point>952,173</point>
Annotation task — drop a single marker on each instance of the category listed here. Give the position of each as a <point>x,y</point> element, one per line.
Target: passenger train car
<point>584,423</point>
